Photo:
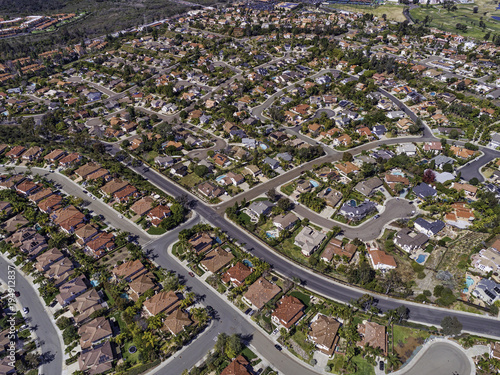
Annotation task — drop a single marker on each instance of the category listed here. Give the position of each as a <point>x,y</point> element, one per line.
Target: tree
<point>347,156</point>
<point>233,346</point>
<point>451,325</point>
<point>201,170</point>
<point>284,204</point>
<point>453,133</point>
<point>429,176</point>
<point>272,195</point>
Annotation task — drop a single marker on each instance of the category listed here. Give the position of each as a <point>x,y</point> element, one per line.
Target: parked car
<point>278,347</point>
<point>17,294</point>
<point>191,274</point>
<point>381,365</point>
<point>26,310</point>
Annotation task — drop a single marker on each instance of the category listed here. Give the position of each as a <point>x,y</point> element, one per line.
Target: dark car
<point>26,310</point>
<point>381,365</point>
<point>191,274</point>
<point>17,294</point>
<point>278,347</point>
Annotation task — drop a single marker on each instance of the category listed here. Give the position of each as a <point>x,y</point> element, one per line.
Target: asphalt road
<point>439,358</point>
<point>97,207</point>
<point>319,283</point>
<point>50,345</point>
<point>370,229</point>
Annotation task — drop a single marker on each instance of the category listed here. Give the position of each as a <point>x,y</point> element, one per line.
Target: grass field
<point>392,11</point>
<point>446,21</point>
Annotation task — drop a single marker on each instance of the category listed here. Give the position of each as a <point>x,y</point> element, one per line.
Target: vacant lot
<point>447,21</point>
<point>392,11</point>
<point>406,340</point>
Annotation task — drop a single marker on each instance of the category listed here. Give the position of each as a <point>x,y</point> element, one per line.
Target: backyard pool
<point>468,281</point>
<point>124,295</point>
<point>263,146</point>
<point>352,203</point>
<point>421,258</point>
<point>218,179</point>
<point>247,263</point>
<point>314,183</point>
<point>94,282</point>
<point>270,235</point>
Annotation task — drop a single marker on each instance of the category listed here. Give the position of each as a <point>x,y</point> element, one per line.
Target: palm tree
<point>149,338</point>
<point>156,322</point>
<point>393,361</point>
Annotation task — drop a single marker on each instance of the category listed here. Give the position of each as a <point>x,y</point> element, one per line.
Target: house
<point>113,186</point>
<point>210,190</point>
<point>324,333</point>
<point>71,289</point>
<point>237,274</point>
<point>157,214</point>
<point>215,260</point>
<point>85,233</point>
<point>261,207</point>
<point>331,196</point>
<point>201,242</point>
<point>33,246</point>
<point>487,291</point>
<point>239,366</point>
<point>15,152</point>
<point>68,218</point>
<point>52,203</point>
<point>357,213</point>
<point>487,260</point>
<point>368,187</point>
<point>235,179</point>
<point>407,148</point>
<point>427,228</point>
<point>309,240</point>
<point>97,360</point>
<point>101,243</point>
<point>260,293</point>
<point>70,159</point>
<point>495,350</point>
<point>273,163</point>
<point>470,190</point>
<point>40,195</point>
<point>433,147</point>
<point>179,170</point>
<point>162,302</point>
<point>380,260</point>
<point>304,186</point>
<point>164,161</point>
<point>422,190</point>
<point>461,152</point>
<point>33,153</point>
<point>285,222</point>
<point>141,285</point>
<point>441,160</point>
<point>85,305</point>
<point>129,270</point>
<point>176,322</point>
<point>142,206</point>
<point>253,170</point>
<point>221,160</point>
<point>373,334</point>
<point>409,241</point>
<point>94,332</point>
<point>26,187</point>
<point>336,247</point>
<point>379,130</point>
<point>288,312</point>
<point>45,260</point>
<point>285,156</point>
<point>346,168</point>
<point>125,194</point>
<point>87,169</point>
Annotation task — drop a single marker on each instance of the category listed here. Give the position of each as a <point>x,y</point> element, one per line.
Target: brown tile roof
<point>141,285</point>
<point>176,322</point>
<point>86,304</point>
<point>335,247</point>
<point>87,169</point>
<point>40,195</point>
<point>142,206</point>
<point>162,302</point>
<point>94,331</point>
<point>97,174</point>
<point>55,154</point>
<point>216,259</point>
<point>237,274</point>
<point>125,193</point>
<point>130,270</point>
<point>15,152</point>
<point>51,203</point>
<point>97,360</point>
<point>324,332</point>
<point>239,366</point>
<point>261,292</point>
<point>374,335</point>
<point>71,158</point>
<point>43,261</point>
<point>158,213</point>
<point>201,242</point>
<point>113,186</point>
<point>100,243</point>
<point>289,311</point>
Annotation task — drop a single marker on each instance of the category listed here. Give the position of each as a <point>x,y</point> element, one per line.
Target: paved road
<point>51,347</point>
<point>316,282</point>
<point>97,207</point>
<point>369,230</point>
<point>439,358</point>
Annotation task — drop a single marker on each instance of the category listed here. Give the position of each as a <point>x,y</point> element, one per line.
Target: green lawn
<point>288,188</point>
<point>464,14</point>
<point>363,367</point>
<point>304,298</point>
<point>403,333</point>
<point>248,354</point>
<point>246,219</point>
<point>191,180</point>
<point>156,231</point>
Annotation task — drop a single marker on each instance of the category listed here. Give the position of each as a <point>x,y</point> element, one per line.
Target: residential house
<point>273,163</point>
<point>346,168</point>
<point>176,322</point>
<point>260,293</point>
<point>141,284</point>
<point>15,152</point>
<point>237,274</point>
<point>427,228</point>
<point>54,155</point>
<point>51,204</point>
<point>487,290</point>
<point>487,260</point>
<point>409,241</point>
<point>179,170</point>
<point>162,302</point>
<point>261,208</point>
<point>33,153</point>
<point>336,247</point>
<point>129,270</point>
<point>408,149</point>
<point>142,206</point>
<point>380,260</point>
<point>239,366</point>
<point>164,161</point>
<point>221,160</point>
<point>368,187</point>
<point>201,242</point>
<point>71,289</point>
<point>470,190</point>
<point>215,260</point>
<point>97,360</point>
<point>309,240</point>
<point>113,186</point>
<point>373,334</point>
<point>94,332</point>
<point>45,260</point>
<point>100,244</point>
<point>422,190</point>
<point>285,221</point>
<point>156,215</point>
<point>358,212</point>
<point>288,312</point>
<point>210,190</point>
<point>85,305</point>
<point>324,333</point>
<point>85,233</point>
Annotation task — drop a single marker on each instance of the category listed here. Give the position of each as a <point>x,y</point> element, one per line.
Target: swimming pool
<point>219,179</point>
<point>314,183</point>
<point>397,172</point>
<point>421,258</point>
<point>247,263</point>
<point>94,282</point>
<point>468,281</point>
<point>352,203</point>
<point>263,146</point>
<point>270,235</point>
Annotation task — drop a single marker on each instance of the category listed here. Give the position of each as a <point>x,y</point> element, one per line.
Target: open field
<point>392,11</point>
<point>447,21</point>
